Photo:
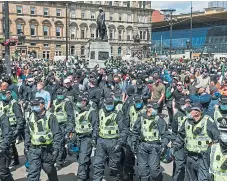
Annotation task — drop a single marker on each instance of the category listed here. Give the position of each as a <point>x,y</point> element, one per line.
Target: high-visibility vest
<point>197,143</point>
<point>181,120</point>
<point>217,158</point>
<point>150,133</point>
<point>8,110</point>
<point>133,115</point>
<point>108,127</point>
<point>60,112</point>
<point>40,129</point>
<point>83,122</point>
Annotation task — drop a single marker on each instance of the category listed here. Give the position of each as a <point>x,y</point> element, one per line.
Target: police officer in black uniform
<point>5,141</point>
<point>13,110</point>
<point>43,140</point>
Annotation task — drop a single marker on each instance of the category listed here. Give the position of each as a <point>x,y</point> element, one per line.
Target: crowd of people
<point>129,112</point>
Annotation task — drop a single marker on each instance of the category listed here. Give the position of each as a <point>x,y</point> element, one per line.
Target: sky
<point>180,6</point>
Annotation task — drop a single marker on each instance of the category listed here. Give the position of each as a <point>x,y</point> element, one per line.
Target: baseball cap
<point>153,105</point>
<point>197,107</point>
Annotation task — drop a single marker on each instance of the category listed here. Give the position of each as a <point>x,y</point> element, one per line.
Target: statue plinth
<point>100,51</point>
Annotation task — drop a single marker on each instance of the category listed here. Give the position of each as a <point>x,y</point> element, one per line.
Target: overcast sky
<point>180,6</point>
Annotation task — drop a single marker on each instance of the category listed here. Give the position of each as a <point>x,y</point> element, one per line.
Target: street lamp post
<point>66,29</point>
<point>7,47</point>
<point>191,35</point>
<point>170,12</point>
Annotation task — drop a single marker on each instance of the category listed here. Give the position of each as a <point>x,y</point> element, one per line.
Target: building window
<point>140,4</point>
<point>111,34</point>
<point>111,18</point>
<point>58,31</point>
<point>46,54</point>
<point>144,35</point>
<point>82,34</point>
<point>58,53</point>
<point>119,51</point>
<point>45,12</point>
<point>58,12</point>
<point>45,30</point>
<point>46,45</point>
<point>82,50</point>
<point>119,34</point>
<point>92,15</point>
<point>33,11</point>
<point>73,13</point>
<point>128,4</point>
<point>128,37</point>
<point>129,18</point>
<point>58,46</point>
<point>144,4</point>
<point>19,10</point>
<point>92,35</point>
<point>83,15</point>
<point>19,28</point>
<point>72,36</point>
<point>111,50</point>
<point>141,35</point>
<point>72,50</point>
<point>32,29</point>
<point>33,44</point>
<point>120,18</point>
<point>124,4</point>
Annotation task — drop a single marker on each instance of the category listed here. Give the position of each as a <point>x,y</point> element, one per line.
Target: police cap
<point>37,101</point>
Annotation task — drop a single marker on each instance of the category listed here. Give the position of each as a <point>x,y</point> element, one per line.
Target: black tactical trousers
<point>148,158</point>
<point>104,151</point>
<point>13,150</point>
<point>84,157</point>
<point>179,165</point>
<point>40,158</point>
<point>62,152</point>
<point>5,174</point>
<point>197,166</point>
<point>129,162</point>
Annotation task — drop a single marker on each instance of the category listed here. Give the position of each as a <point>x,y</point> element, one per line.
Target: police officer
<point>84,134</point>
<point>136,108</point>
<point>220,111</point>
<point>111,138</point>
<point>5,141</point>
<point>152,136</point>
<point>43,140</point>
<point>13,110</point>
<point>178,120</point>
<point>117,95</point>
<point>62,108</point>
<point>218,156</point>
<point>197,133</point>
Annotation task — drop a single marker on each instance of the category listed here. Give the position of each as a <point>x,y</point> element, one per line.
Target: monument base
<point>99,52</point>
<point>187,54</point>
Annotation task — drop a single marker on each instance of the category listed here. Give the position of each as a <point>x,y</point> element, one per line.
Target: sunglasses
<point>179,85</point>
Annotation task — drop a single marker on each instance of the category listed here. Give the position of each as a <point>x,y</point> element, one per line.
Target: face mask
<point>183,107</point>
<point>36,109</point>
<point>109,107</point>
<point>60,97</point>
<point>79,105</point>
<point>223,137</point>
<point>4,97</point>
<point>117,99</point>
<point>109,85</point>
<point>138,105</point>
<point>223,107</point>
<point>189,116</point>
<point>30,83</point>
<point>154,112</point>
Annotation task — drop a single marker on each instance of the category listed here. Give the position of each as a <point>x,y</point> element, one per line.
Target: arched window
<point>82,50</point>
<point>72,50</point>
<point>19,28</point>
<point>119,51</point>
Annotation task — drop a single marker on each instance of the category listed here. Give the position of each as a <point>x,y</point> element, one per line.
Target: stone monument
<point>100,49</point>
